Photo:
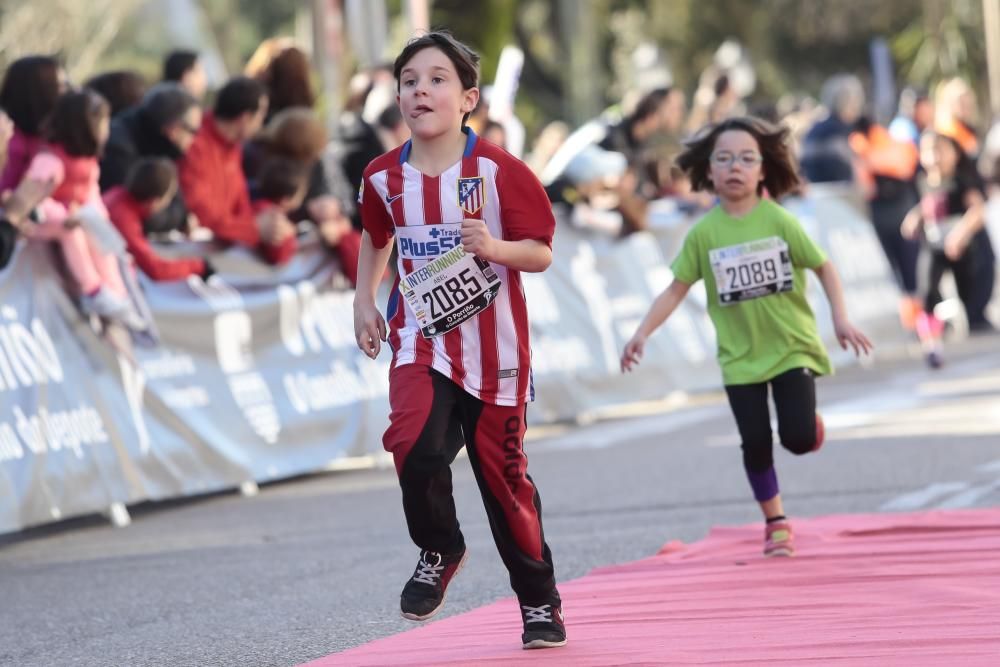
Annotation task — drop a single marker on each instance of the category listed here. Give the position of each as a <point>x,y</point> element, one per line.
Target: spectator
<point>495,133</point>
<point>296,134</point>
<point>282,184</point>
<point>655,112</point>
<point>949,217</point>
<point>587,194</point>
<point>286,72</point>
<point>76,132</point>
<point>546,144</point>
<point>123,89</point>
<point>357,141</point>
<point>149,188</point>
<point>15,208</point>
<point>28,95</point>
<point>163,125</point>
<point>826,152</point>
<point>6,132</point>
<point>213,181</point>
<point>915,114</point>
<point>957,115</point>
<point>889,166</point>
<point>185,69</point>
<point>392,129</point>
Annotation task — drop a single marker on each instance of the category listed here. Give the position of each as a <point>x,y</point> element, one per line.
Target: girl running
<point>752,255</point>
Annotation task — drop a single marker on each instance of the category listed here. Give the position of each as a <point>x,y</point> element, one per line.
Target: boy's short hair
<point>239,96</point>
<point>281,178</point>
<point>178,63</point>
<point>465,60</point>
<point>150,178</point>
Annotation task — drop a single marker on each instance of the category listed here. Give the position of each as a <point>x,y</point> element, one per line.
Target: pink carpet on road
<point>882,589</point>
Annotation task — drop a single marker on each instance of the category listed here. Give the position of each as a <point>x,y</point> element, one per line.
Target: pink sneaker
<point>820,432</point>
<point>778,540</point>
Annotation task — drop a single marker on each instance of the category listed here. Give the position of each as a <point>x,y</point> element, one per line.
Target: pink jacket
<point>20,151</point>
<point>76,181</point>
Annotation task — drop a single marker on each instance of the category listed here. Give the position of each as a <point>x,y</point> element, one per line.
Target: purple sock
<point>764,484</point>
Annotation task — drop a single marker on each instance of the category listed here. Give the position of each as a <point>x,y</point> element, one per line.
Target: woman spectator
<point>285,71</point>
<point>123,89</point>
<point>28,95</point>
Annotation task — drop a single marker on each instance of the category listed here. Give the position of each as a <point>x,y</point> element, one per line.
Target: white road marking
<point>917,499</point>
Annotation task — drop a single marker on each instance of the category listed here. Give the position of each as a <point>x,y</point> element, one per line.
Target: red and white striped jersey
<point>488,355</point>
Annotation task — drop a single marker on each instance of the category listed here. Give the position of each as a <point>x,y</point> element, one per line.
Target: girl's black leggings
<point>795,400</point>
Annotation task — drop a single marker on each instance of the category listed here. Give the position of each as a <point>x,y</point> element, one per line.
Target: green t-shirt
<point>755,284</point>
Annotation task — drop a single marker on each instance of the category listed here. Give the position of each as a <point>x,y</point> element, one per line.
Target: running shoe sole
<point>780,553</point>
<point>414,617</point>
<point>543,643</point>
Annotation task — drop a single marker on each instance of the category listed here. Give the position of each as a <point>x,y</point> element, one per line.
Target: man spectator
<point>185,68</point>
<point>213,181</point>
<point>162,126</point>
<point>826,151</point>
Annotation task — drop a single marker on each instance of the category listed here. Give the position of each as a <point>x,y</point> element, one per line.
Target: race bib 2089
<point>751,270</point>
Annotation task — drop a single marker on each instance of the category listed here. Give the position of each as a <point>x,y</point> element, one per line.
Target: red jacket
<point>215,190</point>
<point>127,215</point>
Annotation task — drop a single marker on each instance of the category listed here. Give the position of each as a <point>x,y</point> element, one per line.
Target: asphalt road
<point>314,565</point>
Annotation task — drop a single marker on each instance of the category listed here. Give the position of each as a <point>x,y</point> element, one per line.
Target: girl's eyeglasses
<point>726,159</point>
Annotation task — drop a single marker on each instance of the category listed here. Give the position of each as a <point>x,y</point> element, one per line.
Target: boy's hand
<point>369,328</point>
<point>633,352</point>
<point>847,334</point>
<point>274,226</point>
<point>322,209</point>
<point>476,238</point>
<point>333,230</point>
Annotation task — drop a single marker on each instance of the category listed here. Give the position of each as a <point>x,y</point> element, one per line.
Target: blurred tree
<point>78,31</point>
<point>240,26</point>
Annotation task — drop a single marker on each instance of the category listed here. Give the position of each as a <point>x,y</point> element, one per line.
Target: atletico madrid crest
<point>471,194</point>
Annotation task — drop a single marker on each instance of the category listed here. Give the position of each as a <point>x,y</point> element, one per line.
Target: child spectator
<point>149,188</point>
<point>76,133</point>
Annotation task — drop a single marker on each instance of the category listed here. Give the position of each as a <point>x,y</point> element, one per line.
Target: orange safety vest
<point>960,133</point>
<point>879,154</point>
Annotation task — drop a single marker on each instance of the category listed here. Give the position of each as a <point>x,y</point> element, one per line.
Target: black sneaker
<point>543,626</point>
<point>423,594</point>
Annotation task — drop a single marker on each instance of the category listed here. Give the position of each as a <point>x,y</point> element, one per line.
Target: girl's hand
<point>633,352</point>
<point>955,244</point>
<point>910,227</point>
<point>847,334</point>
<point>476,238</point>
<point>369,328</point>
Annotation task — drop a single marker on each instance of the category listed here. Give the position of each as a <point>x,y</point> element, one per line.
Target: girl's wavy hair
<point>780,172</point>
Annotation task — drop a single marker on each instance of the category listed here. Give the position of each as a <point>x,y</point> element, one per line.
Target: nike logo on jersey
<point>389,200</point>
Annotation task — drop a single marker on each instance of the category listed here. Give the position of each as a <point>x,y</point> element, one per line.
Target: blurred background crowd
<point>128,126</point>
